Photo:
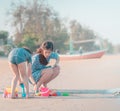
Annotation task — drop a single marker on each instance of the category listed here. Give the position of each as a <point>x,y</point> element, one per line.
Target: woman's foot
<point>43,85</point>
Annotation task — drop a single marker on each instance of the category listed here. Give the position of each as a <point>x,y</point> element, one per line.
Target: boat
<point>80,55</point>
<point>87,55</point>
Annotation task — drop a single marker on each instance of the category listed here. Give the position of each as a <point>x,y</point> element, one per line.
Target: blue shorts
<point>19,55</point>
<point>16,59</point>
<point>36,75</point>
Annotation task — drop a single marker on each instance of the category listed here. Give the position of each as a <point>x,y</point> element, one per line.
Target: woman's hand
<point>52,62</point>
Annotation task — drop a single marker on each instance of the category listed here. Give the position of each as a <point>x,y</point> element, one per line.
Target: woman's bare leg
<point>46,75</point>
<point>15,79</point>
<point>22,70</point>
<point>56,71</point>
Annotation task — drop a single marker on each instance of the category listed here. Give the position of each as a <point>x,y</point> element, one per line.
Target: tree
<point>75,30</point>
<point>37,21</point>
<point>4,36</point>
<point>79,33</point>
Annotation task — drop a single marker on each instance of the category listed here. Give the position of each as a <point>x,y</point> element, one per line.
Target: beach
<point>103,73</point>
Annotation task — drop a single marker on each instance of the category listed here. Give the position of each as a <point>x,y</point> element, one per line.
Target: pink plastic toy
<point>44,91</point>
<point>53,93</point>
<point>7,92</point>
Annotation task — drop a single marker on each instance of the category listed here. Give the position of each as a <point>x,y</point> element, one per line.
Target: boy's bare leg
<point>15,79</point>
<point>22,70</point>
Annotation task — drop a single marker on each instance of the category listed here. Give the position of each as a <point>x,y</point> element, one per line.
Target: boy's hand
<point>35,87</point>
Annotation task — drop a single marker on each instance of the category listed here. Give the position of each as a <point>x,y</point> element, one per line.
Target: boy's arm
<point>29,72</point>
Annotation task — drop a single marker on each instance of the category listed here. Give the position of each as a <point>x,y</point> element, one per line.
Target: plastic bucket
<point>44,91</point>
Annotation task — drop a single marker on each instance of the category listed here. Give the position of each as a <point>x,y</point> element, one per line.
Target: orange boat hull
<point>92,55</point>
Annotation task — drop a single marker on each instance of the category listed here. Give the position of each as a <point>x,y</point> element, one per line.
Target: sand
<point>101,73</point>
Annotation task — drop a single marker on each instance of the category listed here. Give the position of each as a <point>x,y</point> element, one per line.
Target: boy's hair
<point>27,49</point>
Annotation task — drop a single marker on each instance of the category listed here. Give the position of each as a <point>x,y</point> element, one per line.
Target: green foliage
<point>2,53</point>
<point>7,48</point>
<point>36,22</point>
<point>59,41</point>
<point>28,42</point>
<point>4,36</point>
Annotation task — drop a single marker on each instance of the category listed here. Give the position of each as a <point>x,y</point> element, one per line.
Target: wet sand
<point>101,73</point>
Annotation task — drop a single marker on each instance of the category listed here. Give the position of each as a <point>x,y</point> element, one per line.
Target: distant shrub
<point>2,53</point>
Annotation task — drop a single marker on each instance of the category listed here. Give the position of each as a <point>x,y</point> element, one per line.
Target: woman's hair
<point>47,45</point>
<point>42,59</point>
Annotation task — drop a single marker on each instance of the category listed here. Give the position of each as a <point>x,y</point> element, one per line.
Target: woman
<point>41,72</point>
<point>17,60</point>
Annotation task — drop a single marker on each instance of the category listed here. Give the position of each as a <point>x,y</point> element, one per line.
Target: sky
<point>101,16</point>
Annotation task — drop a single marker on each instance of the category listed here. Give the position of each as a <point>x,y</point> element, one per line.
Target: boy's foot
<point>13,97</point>
<point>27,96</point>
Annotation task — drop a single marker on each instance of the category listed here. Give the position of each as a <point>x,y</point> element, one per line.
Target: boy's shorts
<point>16,59</point>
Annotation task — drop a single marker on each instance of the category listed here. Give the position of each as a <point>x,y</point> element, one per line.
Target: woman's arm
<point>57,62</point>
<point>53,59</point>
